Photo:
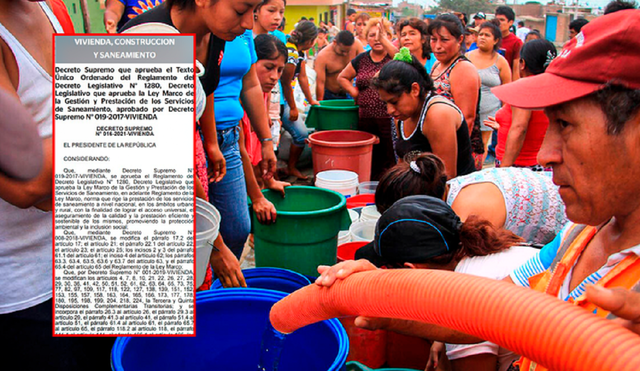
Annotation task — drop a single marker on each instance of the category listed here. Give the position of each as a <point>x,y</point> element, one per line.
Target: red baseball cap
<point>606,50</point>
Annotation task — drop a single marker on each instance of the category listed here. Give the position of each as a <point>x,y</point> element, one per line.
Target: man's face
<point>505,24</point>
<point>597,172</point>
<point>479,21</point>
<point>341,50</point>
<point>572,33</point>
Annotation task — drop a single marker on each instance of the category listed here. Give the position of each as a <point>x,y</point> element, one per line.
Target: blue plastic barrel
<point>277,279</point>
<point>229,328</point>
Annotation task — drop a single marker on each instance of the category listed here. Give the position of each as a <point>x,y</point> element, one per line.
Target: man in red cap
<point>591,93</point>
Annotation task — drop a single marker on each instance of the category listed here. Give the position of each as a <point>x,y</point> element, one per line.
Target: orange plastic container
<point>343,150</point>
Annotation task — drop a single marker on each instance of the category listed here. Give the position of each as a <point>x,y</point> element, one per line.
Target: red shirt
<point>533,140</point>
<point>511,46</point>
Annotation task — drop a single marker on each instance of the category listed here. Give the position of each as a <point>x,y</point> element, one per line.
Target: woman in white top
<point>493,70</point>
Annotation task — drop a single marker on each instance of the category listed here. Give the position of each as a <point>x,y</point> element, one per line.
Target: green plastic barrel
<point>339,114</point>
<point>338,103</point>
<point>305,233</point>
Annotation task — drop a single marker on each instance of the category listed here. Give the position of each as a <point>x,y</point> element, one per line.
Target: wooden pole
<point>85,16</point>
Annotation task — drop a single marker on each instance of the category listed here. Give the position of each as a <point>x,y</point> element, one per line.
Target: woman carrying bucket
<point>373,116</point>
<point>424,121</point>
<point>301,40</point>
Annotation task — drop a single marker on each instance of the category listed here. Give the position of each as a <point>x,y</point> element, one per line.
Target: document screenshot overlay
<point>124,200</point>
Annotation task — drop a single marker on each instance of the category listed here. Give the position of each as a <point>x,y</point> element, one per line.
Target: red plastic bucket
<point>366,347</point>
<point>347,251</point>
<point>405,351</point>
<point>343,150</point>
<point>361,200</point>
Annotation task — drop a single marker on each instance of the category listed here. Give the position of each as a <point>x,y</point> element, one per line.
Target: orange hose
<point>554,334</point>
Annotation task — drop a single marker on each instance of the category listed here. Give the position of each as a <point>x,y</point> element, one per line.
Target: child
<point>272,56</point>
<point>301,40</point>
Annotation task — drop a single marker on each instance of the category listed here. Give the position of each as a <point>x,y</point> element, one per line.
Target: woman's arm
<point>345,80</point>
<point>383,37</point>
<point>112,14</point>
<point>440,127</point>
<point>287,90</point>
<point>515,138</point>
<point>265,211</point>
<point>217,164</point>
<point>252,99</point>
<point>505,71</point>
<point>226,265</point>
<point>304,84</point>
<point>465,86</point>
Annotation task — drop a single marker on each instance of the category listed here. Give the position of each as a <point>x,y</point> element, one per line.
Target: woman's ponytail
<point>478,237</point>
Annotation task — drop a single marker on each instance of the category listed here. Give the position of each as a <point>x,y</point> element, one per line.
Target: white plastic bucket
<point>367,187</point>
<point>353,215</point>
<point>344,237</point>
<point>369,213</point>
<point>363,230</point>
<point>207,226</point>
<point>342,181</point>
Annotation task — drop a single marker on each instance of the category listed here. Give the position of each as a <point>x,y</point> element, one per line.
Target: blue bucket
<point>230,324</point>
<point>277,279</point>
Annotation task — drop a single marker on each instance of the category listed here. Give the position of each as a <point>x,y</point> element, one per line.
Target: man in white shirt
<point>522,31</point>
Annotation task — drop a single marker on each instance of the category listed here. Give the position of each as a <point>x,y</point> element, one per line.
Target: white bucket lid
<point>338,176</point>
<point>370,213</point>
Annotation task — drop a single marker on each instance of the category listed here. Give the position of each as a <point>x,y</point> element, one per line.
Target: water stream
<point>270,348</point>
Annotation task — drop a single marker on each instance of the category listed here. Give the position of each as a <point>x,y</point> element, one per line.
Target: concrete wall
<point>293,14</point>
<point>562,33</point>
<point>531,10</point>
<point>536,25</point>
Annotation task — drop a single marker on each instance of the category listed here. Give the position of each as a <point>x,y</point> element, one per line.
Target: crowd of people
<point>566,129</point>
